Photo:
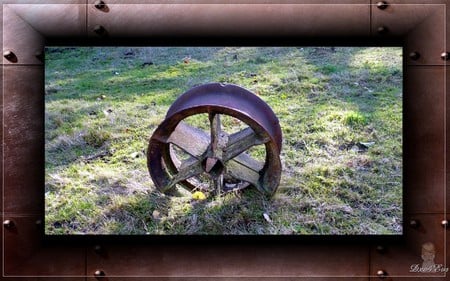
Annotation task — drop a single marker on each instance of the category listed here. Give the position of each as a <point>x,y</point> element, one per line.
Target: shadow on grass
<point>137,214</point>
<point>129,83</point>
<point>366,86</point>
<point>158,214</point>
<point>227,215</point>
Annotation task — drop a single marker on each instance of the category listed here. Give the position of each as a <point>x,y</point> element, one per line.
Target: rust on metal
<point>23,139</point>
<point>424,112</point>
<point>221,156</point>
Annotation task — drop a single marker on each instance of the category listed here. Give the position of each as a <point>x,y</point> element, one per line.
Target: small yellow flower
<point>186,207</point>
<point>198,195</point>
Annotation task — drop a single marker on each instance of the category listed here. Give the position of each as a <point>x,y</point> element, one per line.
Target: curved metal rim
<point>235,98</point>
<point>222,99</point>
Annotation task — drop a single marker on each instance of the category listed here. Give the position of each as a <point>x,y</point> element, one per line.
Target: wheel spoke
<point>241,172</point>
<point>247,161</point>
<point>215,126</point>
<point>230,148</point>
<point>189,168</point>
<point>190,139</point>
<point>242,141</point>
<point>219,138</point>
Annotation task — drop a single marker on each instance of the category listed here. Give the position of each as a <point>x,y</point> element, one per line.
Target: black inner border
<point>198,41</point>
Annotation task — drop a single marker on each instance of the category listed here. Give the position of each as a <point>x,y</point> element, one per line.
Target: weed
<point>329,69</point>
<point>96,138</point>
<point>353,118</point>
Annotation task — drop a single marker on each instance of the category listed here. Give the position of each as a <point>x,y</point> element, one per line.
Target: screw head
<point>38,222</point>
<point>414,55</point>
<point>98,249</point>
<point>382,5</point>
<point>99,273</point>
<point>414,223</point>
<point>381,273</point>
<point>444,223</point>
<point>445,55</point>
<point>99,4</point>
<point>39,55</point>
<point>381,249</point>
<point>8,54</point>
<point>382,30</point>
<point>100,30</point>
<point>8,224</point>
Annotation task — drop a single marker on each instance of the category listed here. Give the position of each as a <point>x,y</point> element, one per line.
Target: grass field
<point>340,111</point>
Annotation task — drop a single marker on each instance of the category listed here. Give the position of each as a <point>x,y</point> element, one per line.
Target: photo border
<point>87,40</point>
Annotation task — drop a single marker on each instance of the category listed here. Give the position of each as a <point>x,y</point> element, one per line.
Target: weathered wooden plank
<point>242,141</point>
<point>192,140</point>
<point>241,172</point>
<point>189,168</point>
<point>219,138</point>
<point>249,162</point>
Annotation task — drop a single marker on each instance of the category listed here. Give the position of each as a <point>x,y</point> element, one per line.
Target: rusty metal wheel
<point>218,156</point>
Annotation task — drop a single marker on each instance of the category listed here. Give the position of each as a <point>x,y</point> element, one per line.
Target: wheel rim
<point>218,154</point>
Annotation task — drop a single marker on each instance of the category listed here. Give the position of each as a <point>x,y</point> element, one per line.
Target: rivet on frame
<point>382,5</point>
<point>39,55</point>
<point>414,223</point>
<point>381,273</point>
<point>8,224</point>
<point>99,273</point>
<point>414,55</point>
<point>99,4</point>
<point>381,249</point>
<point>100,30</point>
<point>98,249</point>
<point>445,56</point>
<point>444,223</point>
<point>38,222</point>
<point>9,55</point>
<point>382,30</point>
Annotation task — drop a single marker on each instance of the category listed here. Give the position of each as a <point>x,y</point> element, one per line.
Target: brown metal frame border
<point>32,60</point>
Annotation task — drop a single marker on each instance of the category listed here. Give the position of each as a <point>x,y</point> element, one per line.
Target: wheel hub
<point>213,166</point>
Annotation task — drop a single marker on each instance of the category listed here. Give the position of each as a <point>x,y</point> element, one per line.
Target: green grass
<point>340,111</point>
